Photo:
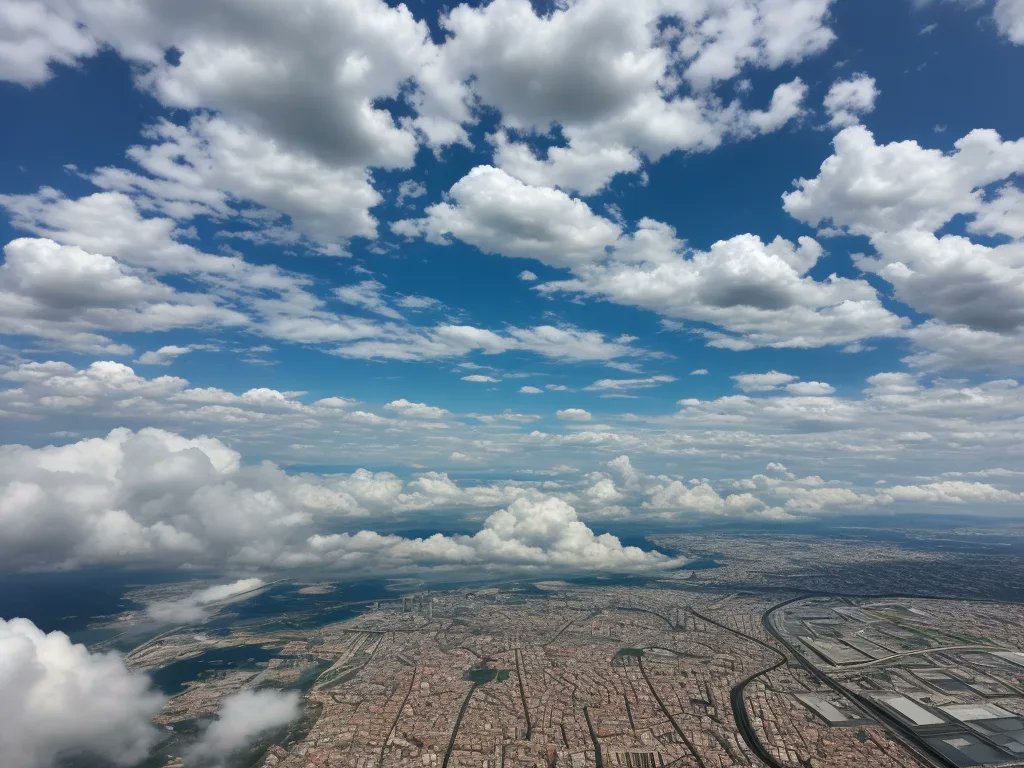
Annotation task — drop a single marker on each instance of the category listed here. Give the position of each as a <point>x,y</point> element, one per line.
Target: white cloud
<point>810,388</point>
<point>196,606</point>
<point>899,195</point>
<point>527,276</point>
<point>33,36</point>
<point>367,294</point>
<point>499,214</point>
<point>699,372</point>
<point>530,390</point>
<point>870,189</point>
<point>609,77</point>
<point>264,68</point>
<point>243,716</point>
<point>410,410</point>
<point>72,297</point>
<point>212,166</point>
<point>848,100</point>
<point>58,699</point>
<point>762,382</point>
<point>410,189</point>
<point>574,414</point>
<point>164,355</point>
<point>620,385</point>
<point>479,378</point>
<point>755,293</point>
<point>157,497</point>
<point>1009,16</point>
<point>543,534</point>
<point>443,341</point>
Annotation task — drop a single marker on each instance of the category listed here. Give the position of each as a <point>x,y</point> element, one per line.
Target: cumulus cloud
<point>574,414</point>
<point>755,294</point>
<point>497,213</point>
<point>165,355</point>
<point>762,382</point>
<point>870,189</point>
<point>242,718</point>
<point>847,100</point>
<point>34,37</point>
<point>213,166</point>
<point>58,699</point>
<point>157,497</point>
<point>900,195</point>
<point>73,297</point>
<point>1009,17</point>
<point>608,76</point>
<point>196,606</point>
<point>106,236</point>
<point>543,534</point>
<point>411,410</point>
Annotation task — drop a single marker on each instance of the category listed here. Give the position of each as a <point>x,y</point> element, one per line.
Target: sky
<point>281,281</point>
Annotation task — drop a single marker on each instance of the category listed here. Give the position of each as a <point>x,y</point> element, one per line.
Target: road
<point>739,705</point>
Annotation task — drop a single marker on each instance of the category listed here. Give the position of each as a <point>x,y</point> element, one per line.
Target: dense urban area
<point>710,667</point>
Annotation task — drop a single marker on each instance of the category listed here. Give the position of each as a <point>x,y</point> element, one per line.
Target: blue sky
<point>769,253</point>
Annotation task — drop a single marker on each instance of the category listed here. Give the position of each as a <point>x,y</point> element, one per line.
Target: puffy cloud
<point>264,68</point>
<point>900,195</point>
<point>157,497</point>
<point>757,294</point>
<point>1009,16</point>
<point>810,388</point>
<point>786,105</point>
<point>543,534</point>
<point>264,299</point>
<point>243,716</point>
<point>410,410</point>
<point>953,279</point>
<point>479,378</point>
<point>33,36</point>
<point>164,355</point>
<point>870,189</point>
<point>57,699</point>
<point>527,389</point>
<point>762,382</point>
<point>68,295</point>
<point>609,77</point>
<point>675,498</point>
<point>620,85</point>
<point>499,214</point>
<point>574,414</point>
<point>950,492</point>
<point>211,165</point>
<point>858,436</point>
<point>196,606</point>
<point>847,100</point>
